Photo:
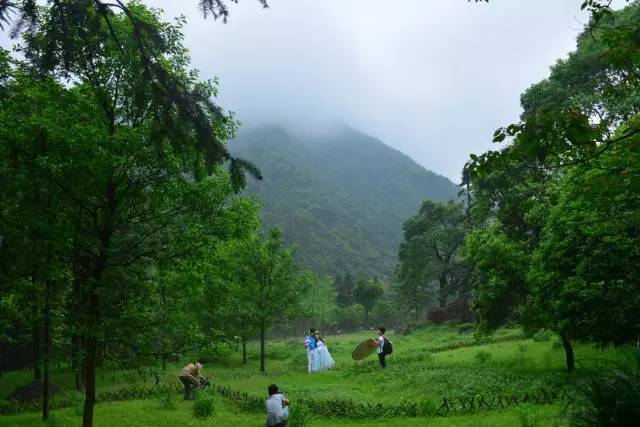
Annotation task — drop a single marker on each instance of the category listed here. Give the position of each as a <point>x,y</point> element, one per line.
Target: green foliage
<point>299,415</point>
<point>542,336</point>
<point>259,284</point>
<point>466,328</point>
<point>499,276</point>
<point>203,406</point>
<point>555,212</point>
<point>429,258</point>
<point>527,417</point>
<point>167,400</point>
<point>589,247</point>
<point>483,357</point>
<point>367,293</point>
<point>52,421</point>
<point>427,407</point>
<point>611,399</point>
<point>116,186</point>
<point>351,316</point>
<point>320,303</point>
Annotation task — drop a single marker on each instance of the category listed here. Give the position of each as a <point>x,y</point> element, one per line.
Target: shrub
<point>203,407</point>
<point>542,335</point>
<point>167,400</point>
<point>483,357</point>
<point>78,409</point>
<point>299,416</point>
<point>612,399</point>
<point>466,328</point>
<point>437,315</point>
<point>527,418</point>
<point>52,421</point>
<point>427,407</point>
<point>459,310</point>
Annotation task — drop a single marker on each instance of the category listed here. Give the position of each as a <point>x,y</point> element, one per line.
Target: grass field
<point>425,368</point>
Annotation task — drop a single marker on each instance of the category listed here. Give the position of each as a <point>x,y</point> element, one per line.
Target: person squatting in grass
<point>277,407</point>
<point>191,377</point>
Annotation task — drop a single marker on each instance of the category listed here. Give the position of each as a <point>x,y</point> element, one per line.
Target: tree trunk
<point>442,292</point>
<point>415,306</point>
<point>37,372</point>
<point>47,350</point>
<point>568,350</point>
<point>90,384</point>
<point>75,356</point>
<point>83,367</point>
<point>244,349</point>
<point>163,355</point>
<point>91,351</point>
<point>262,331</point>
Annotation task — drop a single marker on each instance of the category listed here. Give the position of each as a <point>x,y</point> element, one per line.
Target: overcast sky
<point>432,78</point>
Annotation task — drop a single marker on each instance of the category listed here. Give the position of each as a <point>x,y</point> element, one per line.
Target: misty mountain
<point>341,195</point>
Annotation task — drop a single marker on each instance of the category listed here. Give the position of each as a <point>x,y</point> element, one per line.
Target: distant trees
<point>319,305</point>
<point>430,261</point>
<point>367,293</point>
<point>267,285</point>
<point>344,287</point>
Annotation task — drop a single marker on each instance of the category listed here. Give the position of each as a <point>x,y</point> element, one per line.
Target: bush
<point>527,418</point>
<point>52,421</point>
<point>466,328</point>
<point>483,357</point>
<point>203,407</point>
<point>542,335</point>
<point>78,409</point>
<point>427,407</point>
<point>459,310</point>
<point>299,416</point>
<point>167,400</point>
<point>437,315</point>
<point>612,399</point>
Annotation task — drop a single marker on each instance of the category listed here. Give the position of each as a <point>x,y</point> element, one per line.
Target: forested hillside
<point>341,196</point>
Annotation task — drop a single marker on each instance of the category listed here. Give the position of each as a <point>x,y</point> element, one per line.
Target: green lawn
<point>147,414</point>
<point>511,366</point>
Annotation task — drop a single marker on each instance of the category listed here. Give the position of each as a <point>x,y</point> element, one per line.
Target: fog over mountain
<point>432,78</point>
<point>340,195</point>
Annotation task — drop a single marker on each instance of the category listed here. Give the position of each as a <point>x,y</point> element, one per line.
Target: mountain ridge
<point>340,195</point>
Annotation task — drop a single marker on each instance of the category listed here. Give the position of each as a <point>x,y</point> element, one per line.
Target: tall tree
<point>430,255</point>
<point>135,168</point>
<point>576,124</point>
<point>367,293</point>
<point>345,289</point>
<point>268,283</point>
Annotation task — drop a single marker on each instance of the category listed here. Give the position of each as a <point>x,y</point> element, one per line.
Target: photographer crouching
<point>192,378</point>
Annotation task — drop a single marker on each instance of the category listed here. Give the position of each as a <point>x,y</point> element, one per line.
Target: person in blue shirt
<point>310,343</point>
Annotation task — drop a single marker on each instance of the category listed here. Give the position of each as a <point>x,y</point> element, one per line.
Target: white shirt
<point>276,412</point>
<point>380,344</point>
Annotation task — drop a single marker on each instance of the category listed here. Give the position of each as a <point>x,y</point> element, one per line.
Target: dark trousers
<point>191,384</point>
<point>381,357</point>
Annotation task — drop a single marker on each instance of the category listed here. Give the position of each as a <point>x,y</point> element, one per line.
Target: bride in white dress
<point>322,360</point>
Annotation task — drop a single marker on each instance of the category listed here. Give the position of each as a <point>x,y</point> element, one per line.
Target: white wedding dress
<point>322,359</point>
